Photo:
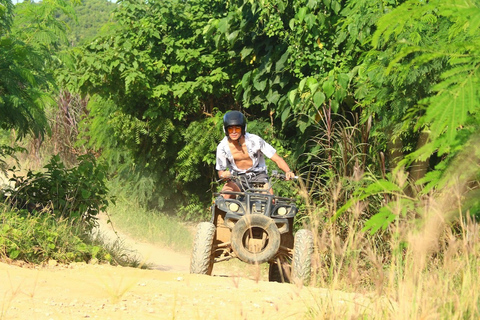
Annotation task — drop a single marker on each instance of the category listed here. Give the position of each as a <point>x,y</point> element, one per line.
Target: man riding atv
<point>243,153</point>
<point>248,221</point>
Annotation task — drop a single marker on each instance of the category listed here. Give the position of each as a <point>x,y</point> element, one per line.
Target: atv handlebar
<point>280,176</point>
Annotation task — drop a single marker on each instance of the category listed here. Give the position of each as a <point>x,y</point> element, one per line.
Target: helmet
<point>234,118</point>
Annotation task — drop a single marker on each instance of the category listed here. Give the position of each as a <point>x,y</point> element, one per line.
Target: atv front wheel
<point>202,255</point>
<point>255,238</point>
<point>302,256</point>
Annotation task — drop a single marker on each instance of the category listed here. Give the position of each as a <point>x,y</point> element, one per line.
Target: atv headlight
<point>233,207</point>
<point>282,211</point>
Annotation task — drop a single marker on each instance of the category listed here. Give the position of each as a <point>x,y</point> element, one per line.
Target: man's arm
<point>283,165</point>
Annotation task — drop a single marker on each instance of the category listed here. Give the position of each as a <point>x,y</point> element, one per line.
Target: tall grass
<point>424,265</point>
<point>431,270</point>
<point>151,226</point>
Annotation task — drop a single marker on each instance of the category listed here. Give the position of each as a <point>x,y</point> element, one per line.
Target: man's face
<point>234,132</point>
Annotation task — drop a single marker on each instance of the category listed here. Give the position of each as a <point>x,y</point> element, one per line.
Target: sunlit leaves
<point>28,60</point>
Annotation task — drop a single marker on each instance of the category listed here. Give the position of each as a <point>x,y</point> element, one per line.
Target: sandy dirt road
<point>168,291</point>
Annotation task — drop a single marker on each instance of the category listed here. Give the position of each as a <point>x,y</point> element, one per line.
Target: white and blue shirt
<point>256,147</point>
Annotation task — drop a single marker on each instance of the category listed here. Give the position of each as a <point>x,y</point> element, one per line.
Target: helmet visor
<point>232,129</point>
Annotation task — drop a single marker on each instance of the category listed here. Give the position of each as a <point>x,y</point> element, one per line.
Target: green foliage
<point>28,41</point>
<point>77,194</point>
<point>37,24</point>
<point>340,164</point>
<point>6,16</point>
<point>137,170</point>
<point>436,49</point>
<point>156,74</point>
<point>201,139</point>
<point>92,17</point>
<point>37,239</point>
<point>22,85</point>
<point>157,63</point>
<point>7,152</point>
<point>161,79</point>
<point>425,77</point>
<point>297,57</point>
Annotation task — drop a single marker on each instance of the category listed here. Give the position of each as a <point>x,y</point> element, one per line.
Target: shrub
<point>40,238</point>
<point>77,194</point>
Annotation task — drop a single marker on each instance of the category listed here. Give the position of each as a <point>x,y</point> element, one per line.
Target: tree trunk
<point>419,168</point>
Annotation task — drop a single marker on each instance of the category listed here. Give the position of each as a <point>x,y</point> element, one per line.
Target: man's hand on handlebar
<point>289,175</point>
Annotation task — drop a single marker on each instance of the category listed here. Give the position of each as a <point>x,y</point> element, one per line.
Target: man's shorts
<point>251,180</point>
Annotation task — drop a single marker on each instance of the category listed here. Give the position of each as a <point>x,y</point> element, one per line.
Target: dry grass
<point>423,267</point>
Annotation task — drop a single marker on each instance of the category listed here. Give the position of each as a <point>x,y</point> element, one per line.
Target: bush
<point>37,239</point>
<point>77,194</point>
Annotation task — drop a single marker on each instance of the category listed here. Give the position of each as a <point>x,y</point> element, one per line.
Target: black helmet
<point>234,118</point>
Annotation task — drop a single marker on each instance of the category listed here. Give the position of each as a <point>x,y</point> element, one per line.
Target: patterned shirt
<point>256,147</point>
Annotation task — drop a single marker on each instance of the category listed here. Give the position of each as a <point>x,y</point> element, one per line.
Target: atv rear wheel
<point>255,238</point>
<point>302,257</point>
<point>202,256</point>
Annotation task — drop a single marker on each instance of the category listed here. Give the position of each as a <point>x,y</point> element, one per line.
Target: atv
<point>255,227</point>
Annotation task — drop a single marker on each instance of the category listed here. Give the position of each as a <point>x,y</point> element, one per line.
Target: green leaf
<point>318,99</point>
<point>246,79</point>
<point>302,125</point>
<point>246,52</point>
<point>291,24</point>
<point>285,114</point>
<point>301,14</point>
<point>379,221</point>
<point>85,193</point>
<point>292,95</point>
<point>301,85</point>
<point>280,65</point>
<point>382,186</point>
<point>343,80</point>
<point>328,88</point>
<point>451,108</point>
<point>273,96</point>
<point>260,85</point>
<point>312,84</point>
<point>13,254</point>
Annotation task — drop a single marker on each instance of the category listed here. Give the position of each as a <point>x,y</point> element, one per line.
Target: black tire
<point>252,228</point>
<point>302,257</point>
<point>279,272</point>
<point>202,256</point>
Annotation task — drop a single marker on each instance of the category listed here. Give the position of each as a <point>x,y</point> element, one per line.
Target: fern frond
<point>457,98</point>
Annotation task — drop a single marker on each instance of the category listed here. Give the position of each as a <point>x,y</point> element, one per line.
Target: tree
<point>29,36</point>
<point>27,61</point>
<point>423,82</point>
<point>430,54</point>
<point>151,77</point>
<point>22,82</point>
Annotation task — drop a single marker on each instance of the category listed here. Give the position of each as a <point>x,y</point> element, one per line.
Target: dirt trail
<point>81,291</point>
<point>154,256</point>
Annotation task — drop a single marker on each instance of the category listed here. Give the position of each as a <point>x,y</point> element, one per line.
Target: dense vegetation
<point>377,93</point>
<point>375,103</point>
